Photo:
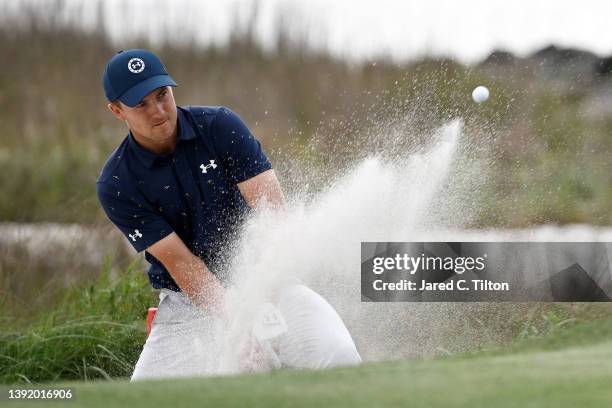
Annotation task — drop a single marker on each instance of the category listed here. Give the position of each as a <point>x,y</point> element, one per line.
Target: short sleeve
<point>134,217</point>
<point>239,150</point>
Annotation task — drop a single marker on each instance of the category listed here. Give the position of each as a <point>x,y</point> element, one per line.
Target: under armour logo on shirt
<point>211,165</point>
<point>137,234</point>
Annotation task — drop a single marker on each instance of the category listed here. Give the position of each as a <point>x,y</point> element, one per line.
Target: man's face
<point>154,118</point>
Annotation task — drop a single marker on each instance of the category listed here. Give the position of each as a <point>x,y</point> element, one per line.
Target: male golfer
<point>178,187</point>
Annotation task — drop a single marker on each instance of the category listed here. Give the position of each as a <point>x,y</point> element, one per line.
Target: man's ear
<point>115,110</point>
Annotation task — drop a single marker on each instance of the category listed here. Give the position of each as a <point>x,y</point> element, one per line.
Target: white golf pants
<point>185,341</point>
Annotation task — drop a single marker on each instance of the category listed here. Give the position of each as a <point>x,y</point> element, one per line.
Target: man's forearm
<point>263,189</point>
<point>198,283</point>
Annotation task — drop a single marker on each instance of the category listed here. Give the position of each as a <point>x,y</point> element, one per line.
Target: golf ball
<point>480,94</point>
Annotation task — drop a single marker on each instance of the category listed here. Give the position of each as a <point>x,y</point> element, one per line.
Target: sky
<point>364,29</point>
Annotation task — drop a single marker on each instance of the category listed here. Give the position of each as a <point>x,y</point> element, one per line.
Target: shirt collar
<point>185,132</point>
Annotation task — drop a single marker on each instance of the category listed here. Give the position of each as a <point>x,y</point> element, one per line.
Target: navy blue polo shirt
<point>192,191</point>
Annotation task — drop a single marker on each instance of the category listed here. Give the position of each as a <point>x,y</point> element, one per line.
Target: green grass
<point>96,331</point>
<point>568,368</point>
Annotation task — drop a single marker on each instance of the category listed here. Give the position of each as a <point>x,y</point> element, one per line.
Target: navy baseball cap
<point>132,74</point>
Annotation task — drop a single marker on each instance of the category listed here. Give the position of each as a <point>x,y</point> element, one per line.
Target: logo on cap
<point>136,65</point>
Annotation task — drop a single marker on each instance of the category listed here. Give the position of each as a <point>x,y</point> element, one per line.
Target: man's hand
<point>190,273</point>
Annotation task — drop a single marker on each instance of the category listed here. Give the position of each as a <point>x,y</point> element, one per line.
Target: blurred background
<point>317,82</point>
